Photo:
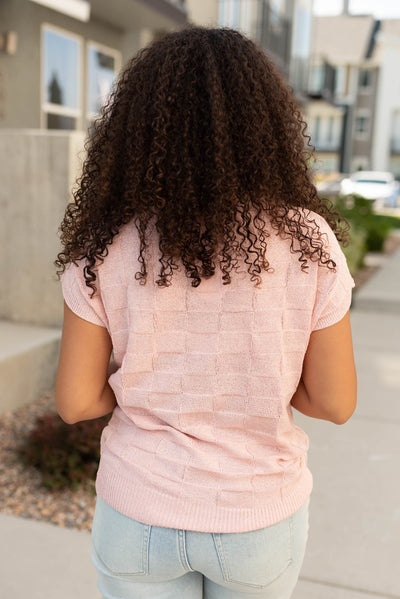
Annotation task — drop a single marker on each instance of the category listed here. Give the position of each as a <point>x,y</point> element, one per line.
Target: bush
<point>65,455</point>
<point>377,233</point>
<point>356,249</point>
<point>359,212</point>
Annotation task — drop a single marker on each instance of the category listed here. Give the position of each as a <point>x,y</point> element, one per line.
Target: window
<point>365,80</point>
<point>317,79</point>
<point>341,80</point>
<point>325,132</point>
<point>265,22</point>
<point>103,65</point>
<point>395,128</point>
<point>362,125</point>
<point>61,79</point>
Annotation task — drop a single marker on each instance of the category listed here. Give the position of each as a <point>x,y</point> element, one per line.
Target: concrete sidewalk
<point>354,543</point>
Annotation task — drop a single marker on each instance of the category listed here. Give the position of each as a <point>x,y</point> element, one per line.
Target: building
<point>60,57</point>
<point>343,84</point>
<point>385,154</point>
<point>354,113</point>
<point>281,27</point>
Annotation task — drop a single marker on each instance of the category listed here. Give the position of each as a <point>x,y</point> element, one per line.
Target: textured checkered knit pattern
<point>203,436</point>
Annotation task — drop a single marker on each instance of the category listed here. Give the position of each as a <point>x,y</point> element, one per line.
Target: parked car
<point>377,186</point>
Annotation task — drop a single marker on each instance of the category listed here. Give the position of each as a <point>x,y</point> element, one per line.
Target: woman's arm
<point>82,390</point>
<point>328,385</point>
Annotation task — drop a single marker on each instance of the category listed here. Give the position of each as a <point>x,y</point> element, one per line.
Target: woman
<point>198,251</point>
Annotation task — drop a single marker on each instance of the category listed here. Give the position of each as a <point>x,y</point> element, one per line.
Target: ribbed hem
<point>153,507</point>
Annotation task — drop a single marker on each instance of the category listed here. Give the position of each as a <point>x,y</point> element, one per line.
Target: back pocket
<point>255,558</point>
<point>120,544</point>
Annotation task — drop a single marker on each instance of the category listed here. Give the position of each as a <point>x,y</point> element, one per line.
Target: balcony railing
<point>275,34</point>
<point>326,145</point>
<point>264,24</point>
<point>323,82</point>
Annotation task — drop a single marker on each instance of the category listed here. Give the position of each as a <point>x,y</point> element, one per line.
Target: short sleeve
<point>334,288</point>
<point>77,295</point>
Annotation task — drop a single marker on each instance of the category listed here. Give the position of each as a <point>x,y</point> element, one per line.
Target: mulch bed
<point>21,492</point>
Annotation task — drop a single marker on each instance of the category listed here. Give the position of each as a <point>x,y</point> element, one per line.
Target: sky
<point>381,9</point>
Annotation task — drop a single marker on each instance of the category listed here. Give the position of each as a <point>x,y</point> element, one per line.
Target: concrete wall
<point>37,170</point>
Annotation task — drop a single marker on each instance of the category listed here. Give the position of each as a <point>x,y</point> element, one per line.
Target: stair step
<point>28,362</point>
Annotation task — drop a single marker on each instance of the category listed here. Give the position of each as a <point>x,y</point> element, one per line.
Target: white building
<point>343,87</point>
<point>354,116</point>
<point>386,139</point>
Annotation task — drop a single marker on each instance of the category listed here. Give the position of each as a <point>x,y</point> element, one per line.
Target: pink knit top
<point>203,436</point>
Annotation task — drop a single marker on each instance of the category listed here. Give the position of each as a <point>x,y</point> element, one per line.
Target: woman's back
<point>203,436</point>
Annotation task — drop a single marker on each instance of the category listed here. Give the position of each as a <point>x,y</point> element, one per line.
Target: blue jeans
<point>139,561</point>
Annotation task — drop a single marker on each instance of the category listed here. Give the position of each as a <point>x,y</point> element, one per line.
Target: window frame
<point>365,89</point>
<point>90,116</point>
<point>341,80</point>
<point>316,78</point>
<point>47,107</point>
<point>366,114</point>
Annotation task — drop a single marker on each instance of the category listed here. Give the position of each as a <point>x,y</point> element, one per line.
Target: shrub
<point>65,455</point>
<point>359,211</point>
<point>377,233</point>
<point>356,249</point>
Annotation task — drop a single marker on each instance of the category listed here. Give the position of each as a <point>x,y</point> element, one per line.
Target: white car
<point>373,185</point>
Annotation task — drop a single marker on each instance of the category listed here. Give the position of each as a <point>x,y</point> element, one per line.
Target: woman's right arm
<point>328,385</point>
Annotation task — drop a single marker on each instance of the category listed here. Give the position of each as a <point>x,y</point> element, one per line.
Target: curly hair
<point>202,136</point>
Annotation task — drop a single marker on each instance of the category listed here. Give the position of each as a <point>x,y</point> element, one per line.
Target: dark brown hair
<point>203,136</point>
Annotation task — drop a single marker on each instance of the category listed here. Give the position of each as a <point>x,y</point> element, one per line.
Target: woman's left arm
<point>82,389</point>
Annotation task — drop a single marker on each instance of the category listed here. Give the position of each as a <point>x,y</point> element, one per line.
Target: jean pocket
<point>119,544</point>
<point>256,558</point>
